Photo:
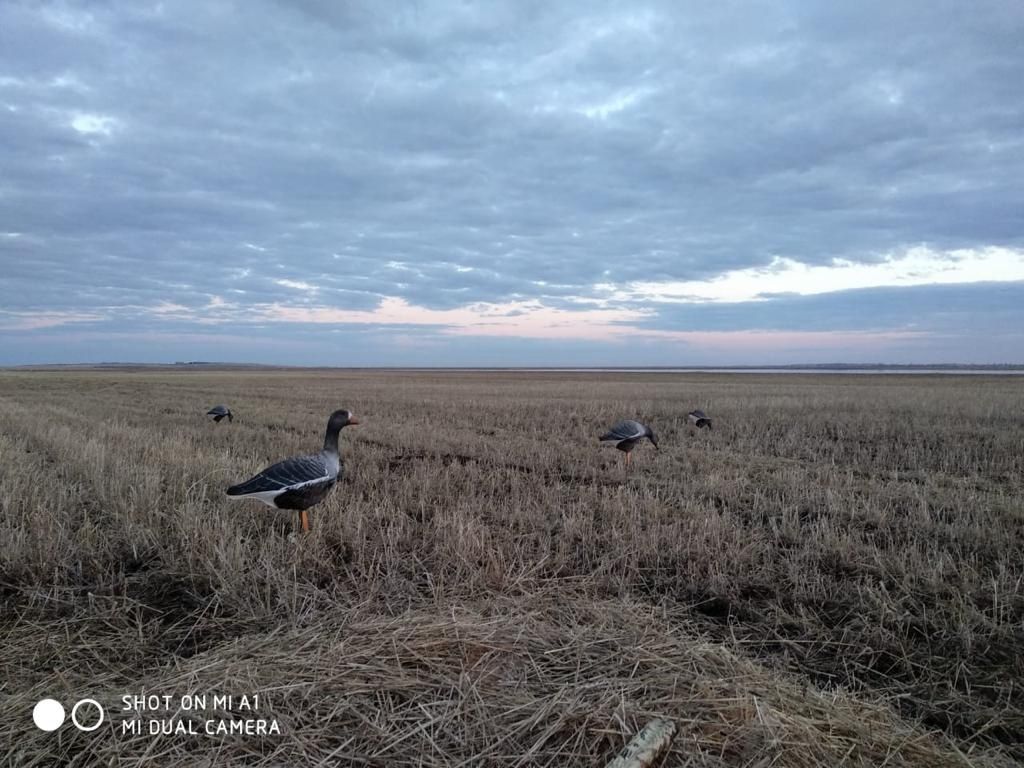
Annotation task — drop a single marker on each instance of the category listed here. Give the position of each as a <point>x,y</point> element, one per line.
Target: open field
<point>833,576</point>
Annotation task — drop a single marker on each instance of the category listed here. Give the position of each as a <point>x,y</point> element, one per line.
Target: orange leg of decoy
<point>304,518</point>
<point>629,458</point>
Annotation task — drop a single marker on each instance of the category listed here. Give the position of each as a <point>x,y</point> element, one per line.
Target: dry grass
<point>834,576</point>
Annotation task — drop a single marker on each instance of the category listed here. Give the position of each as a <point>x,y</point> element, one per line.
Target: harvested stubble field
<point>833,576</point>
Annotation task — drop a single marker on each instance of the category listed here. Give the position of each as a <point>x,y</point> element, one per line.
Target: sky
<point>320,182</point>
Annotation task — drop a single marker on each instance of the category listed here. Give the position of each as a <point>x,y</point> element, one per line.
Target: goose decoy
<point>219,412</point>
<point>626,434</point>
<point>300,482</point>
<point>699,419</point>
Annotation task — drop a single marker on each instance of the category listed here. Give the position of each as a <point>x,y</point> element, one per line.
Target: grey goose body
<point>699,419</point>
<point>627,434</point>
<point>218,412</point>
<point>297,483</point>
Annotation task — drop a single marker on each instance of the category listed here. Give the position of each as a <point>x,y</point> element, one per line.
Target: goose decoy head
<point>652,437</point>
<point>340,419</point>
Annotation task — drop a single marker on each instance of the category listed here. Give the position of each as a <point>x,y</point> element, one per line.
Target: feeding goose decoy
<point>218,412</point>
<point>699,419</point>
<point>627,434</point>
<point>300,482</point>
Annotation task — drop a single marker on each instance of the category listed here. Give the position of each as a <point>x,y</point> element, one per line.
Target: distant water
<point>833,371</point>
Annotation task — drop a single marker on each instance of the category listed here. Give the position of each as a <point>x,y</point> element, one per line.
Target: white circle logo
<point>74,715</point>
<point>48,714</point>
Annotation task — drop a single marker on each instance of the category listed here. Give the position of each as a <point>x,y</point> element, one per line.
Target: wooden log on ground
<point>644,748</point>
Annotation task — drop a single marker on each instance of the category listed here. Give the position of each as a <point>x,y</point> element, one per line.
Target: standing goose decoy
<point>300,482</point>
<point>626,435</point>
<point>219,412</point>
<point>699,419</point>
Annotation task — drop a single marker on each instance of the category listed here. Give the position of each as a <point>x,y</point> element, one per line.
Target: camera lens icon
<point>86,726</point>
<point>49,715</point>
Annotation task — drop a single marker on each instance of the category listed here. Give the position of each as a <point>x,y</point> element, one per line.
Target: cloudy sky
<point>570,183</point>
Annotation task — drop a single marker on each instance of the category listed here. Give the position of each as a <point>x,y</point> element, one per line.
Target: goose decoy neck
<point>338,421</point>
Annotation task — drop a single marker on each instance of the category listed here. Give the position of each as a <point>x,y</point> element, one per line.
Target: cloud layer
<point>529,183</point>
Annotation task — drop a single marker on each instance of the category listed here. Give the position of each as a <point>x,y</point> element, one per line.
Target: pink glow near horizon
<point>532,320</point>
<point>523,320</point>
<point>526,319</point>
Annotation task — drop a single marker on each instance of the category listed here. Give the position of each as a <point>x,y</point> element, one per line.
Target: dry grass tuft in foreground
<point>834,576</point>
<point>542,680</point>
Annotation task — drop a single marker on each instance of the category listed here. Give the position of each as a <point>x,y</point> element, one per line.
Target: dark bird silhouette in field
<point>699,419</point>
<point>300,482</point>
<point>626,435</point>
<point>218,412</point>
